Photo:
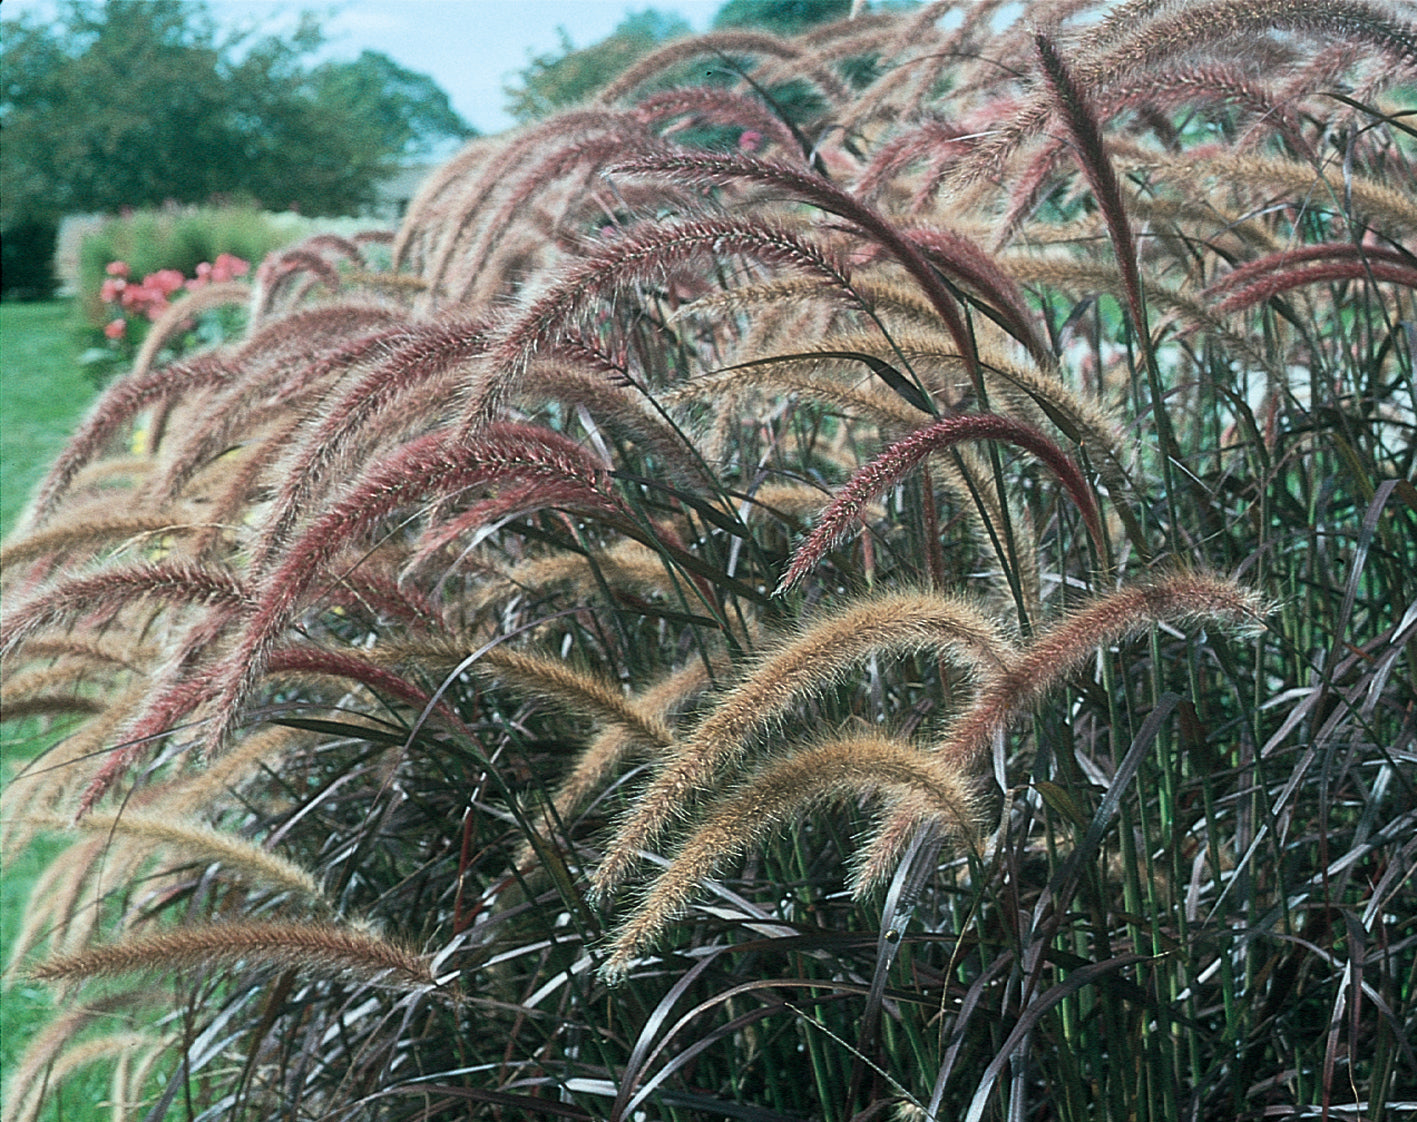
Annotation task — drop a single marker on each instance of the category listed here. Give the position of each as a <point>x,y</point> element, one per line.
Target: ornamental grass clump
<point>881,584</point>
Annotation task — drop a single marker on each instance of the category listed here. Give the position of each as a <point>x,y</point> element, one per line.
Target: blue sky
<point>469,47</point>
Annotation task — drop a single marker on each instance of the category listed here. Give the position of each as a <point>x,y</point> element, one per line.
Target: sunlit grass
<point>43,393</point>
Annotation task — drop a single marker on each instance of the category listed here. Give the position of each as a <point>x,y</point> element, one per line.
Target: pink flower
<point>134,297</point>
<point>228,265</point>
<point>115,328</point>
<point>112,289</point>
<point>116,269</point>
<point>164,281</point>
<point>150,297</point>
<point>749,139</point>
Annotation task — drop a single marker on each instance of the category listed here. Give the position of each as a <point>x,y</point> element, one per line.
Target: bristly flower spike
<point>711,169</point>
<point>781,791</point>
<point>1052,656</point>
<point>844,511</point>
<point>886,624</point>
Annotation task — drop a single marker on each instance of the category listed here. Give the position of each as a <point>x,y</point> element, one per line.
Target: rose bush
<point>131,306</point>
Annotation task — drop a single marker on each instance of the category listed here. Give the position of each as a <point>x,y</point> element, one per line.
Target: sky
<point>469,47</point>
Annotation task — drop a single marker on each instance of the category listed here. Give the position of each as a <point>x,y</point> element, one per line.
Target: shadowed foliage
<point>882,587</point>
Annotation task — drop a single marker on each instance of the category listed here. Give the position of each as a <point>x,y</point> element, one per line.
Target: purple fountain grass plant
<point>176,582</point>
<point>843,514</point>
<point>409,359</point>
<point>433,467</point>
<point>711,170</point>
<point>448,591</point>
<point>326,327</point>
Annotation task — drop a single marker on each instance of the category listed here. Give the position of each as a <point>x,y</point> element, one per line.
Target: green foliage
<point>27,265</point>
<point>45,394</point>
<point>177,238</point>
<point>407,113</point>
<point>572,75</point>
<point>782,17</point>
<point>119,105</point>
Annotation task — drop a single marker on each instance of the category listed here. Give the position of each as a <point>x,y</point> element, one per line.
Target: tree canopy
<point>553,81</point>
<point>784,17</point>
<point>118,105</point>
<point>571,75</point>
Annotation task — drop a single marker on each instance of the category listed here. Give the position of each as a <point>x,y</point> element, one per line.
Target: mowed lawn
<point>43,396</point>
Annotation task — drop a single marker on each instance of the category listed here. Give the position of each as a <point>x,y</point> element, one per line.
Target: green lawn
<point>43,395</point>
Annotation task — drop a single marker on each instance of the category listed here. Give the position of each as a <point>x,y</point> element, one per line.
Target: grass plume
<point>324,950</point>
<point>844,512</point>
<point>785,789</point>
<point>830,646</point>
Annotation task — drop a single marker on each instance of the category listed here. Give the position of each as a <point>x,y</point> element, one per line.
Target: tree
<point>119,104</point>
<point>783,17</point>
<point>408,111</point>
<point>554,81</point>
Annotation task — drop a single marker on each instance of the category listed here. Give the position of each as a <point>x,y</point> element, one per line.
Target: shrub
<point>179,238</point>
<point>151,320</point>
<point>913,612</point>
